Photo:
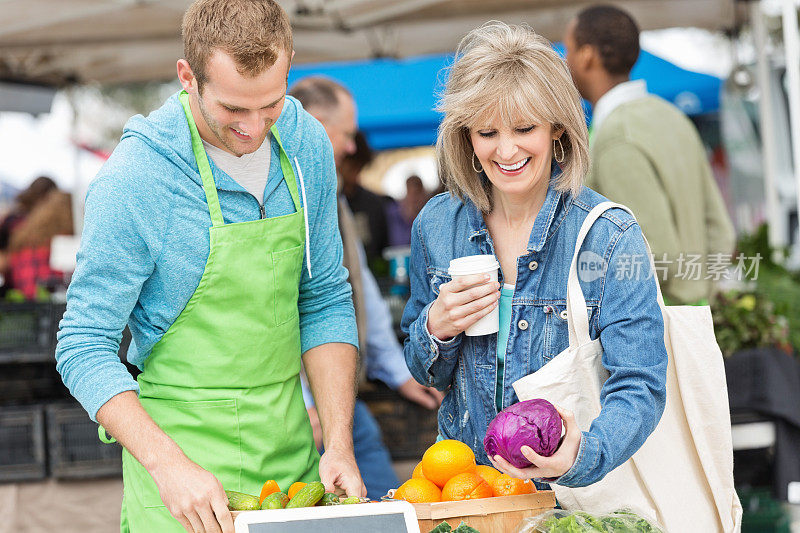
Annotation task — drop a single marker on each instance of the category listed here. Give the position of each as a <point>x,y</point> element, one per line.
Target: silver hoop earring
<point>478,170</point>
<point>555,154</point>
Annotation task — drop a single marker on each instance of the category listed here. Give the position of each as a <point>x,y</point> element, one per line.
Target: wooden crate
<point>487,515</point>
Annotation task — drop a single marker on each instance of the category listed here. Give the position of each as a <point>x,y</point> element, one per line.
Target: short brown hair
<point>253,32</point>
<point>615,35</point>
<point>319,93</point>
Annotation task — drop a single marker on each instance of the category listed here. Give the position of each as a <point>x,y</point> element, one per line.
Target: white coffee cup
<point>478,264</point>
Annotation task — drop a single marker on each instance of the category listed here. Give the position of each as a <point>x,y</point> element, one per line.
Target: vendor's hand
<point>337,468</point>
<point>551,467</point>
<point>194,496</point>
<point>316,427</point>
<point>461,303</point>
<point>427,397</point>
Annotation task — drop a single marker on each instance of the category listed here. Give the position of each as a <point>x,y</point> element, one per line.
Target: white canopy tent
<point>781,182</point>
<point>74,41</point>
<point>62,42</point>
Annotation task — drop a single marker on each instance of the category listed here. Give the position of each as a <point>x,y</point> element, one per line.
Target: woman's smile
<point>513,169</point>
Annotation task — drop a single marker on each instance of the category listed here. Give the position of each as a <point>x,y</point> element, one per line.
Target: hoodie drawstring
<point>305,216</point>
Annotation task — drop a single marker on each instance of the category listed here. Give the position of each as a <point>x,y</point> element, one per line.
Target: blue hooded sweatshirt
<point>145,244</point>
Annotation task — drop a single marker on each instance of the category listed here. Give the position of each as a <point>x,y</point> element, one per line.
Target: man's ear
<point>589,57</point>
<point>291,58</point>
<point>186,77</point>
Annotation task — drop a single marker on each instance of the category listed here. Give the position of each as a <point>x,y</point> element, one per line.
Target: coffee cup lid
<point>473,264</point>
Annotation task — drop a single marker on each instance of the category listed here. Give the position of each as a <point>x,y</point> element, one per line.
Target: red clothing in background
<point>29,268</point>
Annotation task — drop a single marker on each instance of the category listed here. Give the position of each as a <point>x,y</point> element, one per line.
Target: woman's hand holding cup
<point>461,303</point>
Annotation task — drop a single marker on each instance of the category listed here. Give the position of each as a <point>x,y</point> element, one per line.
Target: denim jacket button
<point>522,324</point>
<point>563,314</point>
<point>533,265</point>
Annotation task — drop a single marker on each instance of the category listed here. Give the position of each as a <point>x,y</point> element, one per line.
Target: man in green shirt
<point>646,154</point>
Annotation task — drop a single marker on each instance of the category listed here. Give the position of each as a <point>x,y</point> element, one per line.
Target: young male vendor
<point>212,233</point>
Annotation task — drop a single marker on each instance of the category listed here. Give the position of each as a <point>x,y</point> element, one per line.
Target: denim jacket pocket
<point>556,329</point>
<point>556,334</point>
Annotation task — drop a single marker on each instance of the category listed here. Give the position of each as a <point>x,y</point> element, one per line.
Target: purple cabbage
<point>533,423</point>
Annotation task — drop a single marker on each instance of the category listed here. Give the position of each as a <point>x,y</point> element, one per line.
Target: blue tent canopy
<point>396,97</point>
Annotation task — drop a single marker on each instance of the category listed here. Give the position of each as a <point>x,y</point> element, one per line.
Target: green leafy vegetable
<point>444,527</point>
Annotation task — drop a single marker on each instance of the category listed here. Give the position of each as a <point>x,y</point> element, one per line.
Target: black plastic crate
<point>408,429</point>
<point>57,311</point>
<point>74,450</point>
<point>30,383</point>
<point>22,444</point>
<point>27,332</point>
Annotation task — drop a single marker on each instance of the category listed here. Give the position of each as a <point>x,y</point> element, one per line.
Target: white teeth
<point>240,132</point>
<point>515,166</point>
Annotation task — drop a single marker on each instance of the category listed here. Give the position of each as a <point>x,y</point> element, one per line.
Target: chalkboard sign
<point>386,517</point>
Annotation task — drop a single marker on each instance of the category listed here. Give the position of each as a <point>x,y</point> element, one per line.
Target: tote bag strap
<point>577,312</point>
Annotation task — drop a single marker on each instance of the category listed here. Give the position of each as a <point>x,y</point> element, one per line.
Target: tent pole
<point>777,234</point>
<point>791,43</point>
<point>77,202</point>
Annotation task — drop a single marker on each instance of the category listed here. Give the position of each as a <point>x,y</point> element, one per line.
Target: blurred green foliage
<point>767,313</point>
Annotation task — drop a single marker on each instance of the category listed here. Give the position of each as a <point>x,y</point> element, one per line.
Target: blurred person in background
<point>29,269</point>
<point>211,232</point>
<point>400,215</point>
<point>416,198</point>
<point>333,105</point>
<point>647,155</point>
<point>512,149</point>
<point>368,208</point>
<point>23,204</point>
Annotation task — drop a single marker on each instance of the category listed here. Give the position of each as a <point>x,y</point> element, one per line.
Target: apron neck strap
<point>203,166</point>
<point>288,171</point>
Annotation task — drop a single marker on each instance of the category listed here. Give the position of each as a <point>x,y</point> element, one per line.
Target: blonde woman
<point>512,149</point>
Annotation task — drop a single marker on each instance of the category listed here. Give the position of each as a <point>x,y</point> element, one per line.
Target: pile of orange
<point>448,472</point>
<point>271,486</point>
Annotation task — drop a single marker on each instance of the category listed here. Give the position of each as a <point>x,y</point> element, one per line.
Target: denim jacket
<point>624,314</point>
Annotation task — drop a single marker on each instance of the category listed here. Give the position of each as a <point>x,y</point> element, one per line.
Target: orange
<point>446,459</point>
<point>488,473</point>
<point>295,488</point>
<point>270,487</point>
<point>506,485</point>
<point>418,471</point>
<point>466,486</point>
<point>418,490</point>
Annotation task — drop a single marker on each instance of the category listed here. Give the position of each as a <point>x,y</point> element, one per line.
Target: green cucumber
<point>239,501</point>
<point>276,500</point>
<point>354,499</point>
<point>328,498</point>
<point>307,496</point>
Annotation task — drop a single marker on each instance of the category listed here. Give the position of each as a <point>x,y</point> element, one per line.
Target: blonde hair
<point>507,71</point>
<point>253,32</point>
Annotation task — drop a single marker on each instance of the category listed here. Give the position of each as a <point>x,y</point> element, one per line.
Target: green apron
<point>224,380</point>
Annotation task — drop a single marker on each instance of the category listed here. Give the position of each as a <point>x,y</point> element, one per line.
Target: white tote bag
<point>683,474</point>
